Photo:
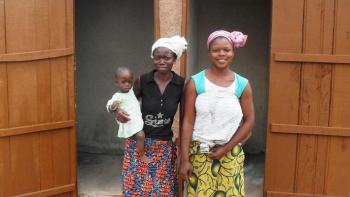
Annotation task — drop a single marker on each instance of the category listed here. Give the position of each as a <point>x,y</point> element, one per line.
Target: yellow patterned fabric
<point>216,178</point>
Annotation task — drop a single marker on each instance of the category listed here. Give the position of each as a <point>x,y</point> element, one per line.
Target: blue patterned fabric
<point>155,179</point>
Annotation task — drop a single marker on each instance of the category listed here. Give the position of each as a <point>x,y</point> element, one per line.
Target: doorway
<point>97,41</point>
<point>102,45</point>
<point>109,34</point>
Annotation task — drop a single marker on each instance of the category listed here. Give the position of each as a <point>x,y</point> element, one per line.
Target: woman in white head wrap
<point>176,44</point>
<point>160,91</point>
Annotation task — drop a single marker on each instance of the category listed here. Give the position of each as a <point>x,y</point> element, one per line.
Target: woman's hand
<point>177,162</point>
<point>121,115</point>
<point>218,152</point>
<point>186,170</point>
<point>176,139</point>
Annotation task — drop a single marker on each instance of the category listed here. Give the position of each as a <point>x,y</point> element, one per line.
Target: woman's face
<point>163,59</point>
<point>221,53</point>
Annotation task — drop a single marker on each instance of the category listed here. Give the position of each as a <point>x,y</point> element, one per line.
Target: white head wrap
<point>176,44</point>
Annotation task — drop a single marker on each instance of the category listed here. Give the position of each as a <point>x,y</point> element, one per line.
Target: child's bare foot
<point>145,159</point>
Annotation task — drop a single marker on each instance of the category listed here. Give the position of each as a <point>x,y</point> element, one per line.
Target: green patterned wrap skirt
<point>216,178</point>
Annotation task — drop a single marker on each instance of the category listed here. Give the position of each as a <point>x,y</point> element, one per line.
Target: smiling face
<point>163,59</point>
<point>221,53</point>
<point>124,80</point>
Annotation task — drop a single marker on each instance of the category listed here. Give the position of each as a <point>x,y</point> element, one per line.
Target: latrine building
<point>57,59</point>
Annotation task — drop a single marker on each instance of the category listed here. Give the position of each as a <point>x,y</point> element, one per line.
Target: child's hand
<point>115,104</point>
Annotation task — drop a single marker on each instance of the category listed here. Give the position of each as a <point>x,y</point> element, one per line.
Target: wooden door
<point>308,140</point>
<point>37,101</point>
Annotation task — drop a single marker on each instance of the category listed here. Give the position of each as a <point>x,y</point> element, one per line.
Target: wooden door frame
<point>184,23</point>
<point>183,60</point>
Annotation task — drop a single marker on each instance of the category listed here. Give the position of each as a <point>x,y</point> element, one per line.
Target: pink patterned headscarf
<point>236,38</point>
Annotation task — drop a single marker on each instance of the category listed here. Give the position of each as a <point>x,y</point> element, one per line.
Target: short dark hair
<point>122,69</point>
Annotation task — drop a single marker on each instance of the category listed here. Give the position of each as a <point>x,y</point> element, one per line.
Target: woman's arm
<point>187,128</point>
<point>244,131</point>
<point>137,88</point>
<point>177,134</point>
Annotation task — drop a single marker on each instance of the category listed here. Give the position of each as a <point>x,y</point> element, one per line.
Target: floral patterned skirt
<point>157,178</point>
<point>223,177</point>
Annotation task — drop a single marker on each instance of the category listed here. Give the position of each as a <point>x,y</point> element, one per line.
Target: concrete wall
<point>109,33</point>
<point>251,17</point>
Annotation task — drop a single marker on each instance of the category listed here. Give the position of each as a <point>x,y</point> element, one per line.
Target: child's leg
<point>140,145</point>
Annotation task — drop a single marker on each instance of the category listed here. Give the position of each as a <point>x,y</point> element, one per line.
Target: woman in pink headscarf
<point>219,116</point>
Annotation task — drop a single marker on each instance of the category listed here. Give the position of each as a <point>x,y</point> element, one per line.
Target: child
<point>126,100</point>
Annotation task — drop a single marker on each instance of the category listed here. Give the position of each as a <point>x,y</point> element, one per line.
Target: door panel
<point>308,136</point>
<point>37,105</point>
<point>315,96</point>
<point>338,173</point>
<point>284,78</point>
